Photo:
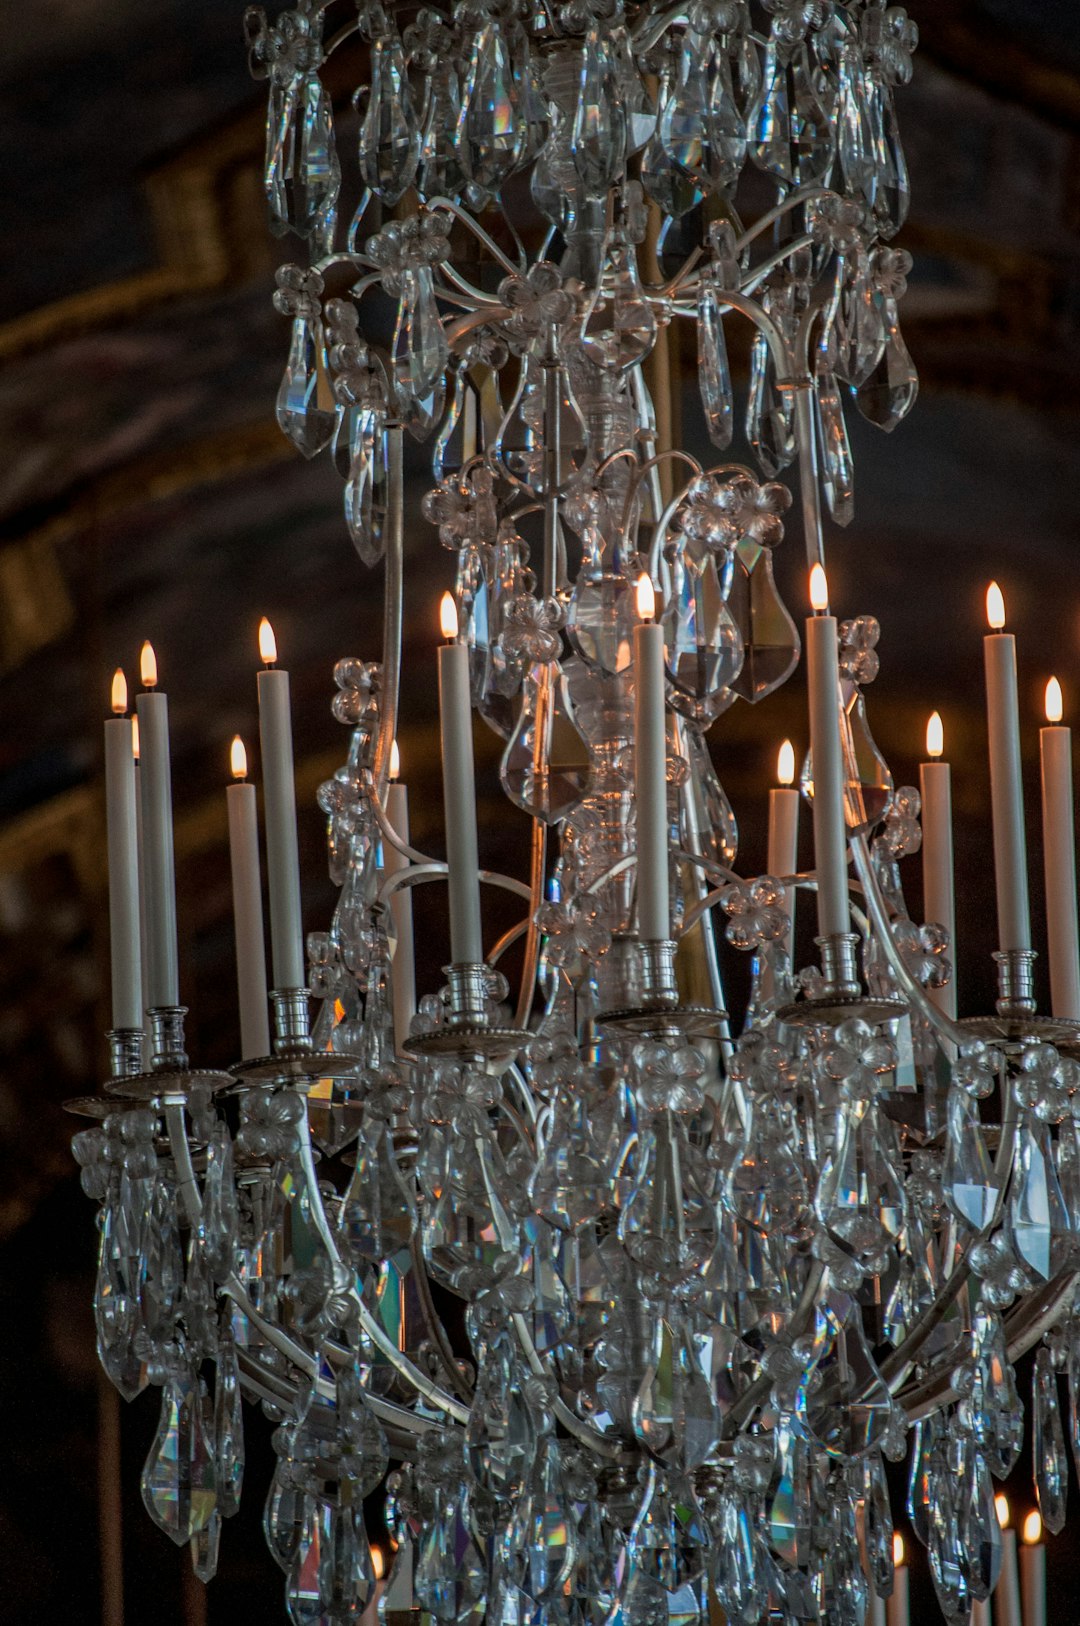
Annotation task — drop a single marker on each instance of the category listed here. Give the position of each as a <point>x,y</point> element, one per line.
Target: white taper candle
<point>650,772</point>
<point>459,793</point>
<point>830,829</point>
<point>123,852</point>
<point>1007,1591</point>
<point>247,909</point>
<point>939,889</point>
<point>1059,859</point>
<point>898,1606</point>
<point>279,815</point>
<point>1006,786</point>
<point>783,850</point>
<point>162,979</point>
<point>403,967</point>
<point>1033,1572</point>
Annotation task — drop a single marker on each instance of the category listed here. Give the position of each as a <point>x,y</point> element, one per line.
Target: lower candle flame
<point>785,764</point>
<point>238,758</point>
<point>1054,704</point>
<point>119,692</point>
<point>148,666</point>
<point>935,736</point>
<point>819,590</point>
<point>897,1548</point>
<point>395,760</point>
<point>1001,1507</point>
<point>448,617</point>
<point>267,643</point>
<point>1032,1529</point>
<point>646,598</point>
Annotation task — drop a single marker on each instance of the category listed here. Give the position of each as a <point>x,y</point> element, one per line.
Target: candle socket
<point>839,965</point>
<point>292,1033</point>
<point>125,1051</point>
<point>167,1051</point>
<point>1016,984</point>
<point>656,968</point>
<point>468,985</point>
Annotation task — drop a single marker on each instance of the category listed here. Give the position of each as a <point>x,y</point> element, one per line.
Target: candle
<point>939,893</point>
<point>279,814</point>
<point>247,908</point>
<point>1059,858</point>
<point>1007,1591</point>
<point>123,850</point>
<point>830,831</point>
<point>650,771</point>
<point>898,1609</point>
<point>459,792</point>
<point>982,1613</point>
<point>783,850</point>
<point>1033,1572</point>
<point>403,969</point>
<point>162,977</point>
<point>1006,789</point>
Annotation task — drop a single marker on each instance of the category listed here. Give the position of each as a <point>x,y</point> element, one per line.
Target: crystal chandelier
<point>620,1302</point>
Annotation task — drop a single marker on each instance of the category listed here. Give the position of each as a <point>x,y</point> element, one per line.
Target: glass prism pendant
<point>545,767</point>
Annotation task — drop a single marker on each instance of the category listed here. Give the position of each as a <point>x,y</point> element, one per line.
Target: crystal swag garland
<point>712,1277</point>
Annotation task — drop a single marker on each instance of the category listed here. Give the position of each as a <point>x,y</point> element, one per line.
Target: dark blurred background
<point>145,491</point>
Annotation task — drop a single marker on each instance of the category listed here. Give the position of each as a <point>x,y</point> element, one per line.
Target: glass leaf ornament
<point>489,129</point>
<point>769,413</point>
<point>1038,1222</point>
<point>619,327</point>
<point>179,1480</point>
<point>601,619</point>
<point>303,173</point>
<point>703,647</point>
<point>545,767</point>
<point>366,489</point>
<point>306,409</point>
<point>970,1187</point>
<point>675,1416</point>
<point>714,373</point>
<point>389,133</point>
<point>420,353</point>
<point>837,466</point>
<point>598,133</point>
<point>1051,1468</point>
<point>770,638</point>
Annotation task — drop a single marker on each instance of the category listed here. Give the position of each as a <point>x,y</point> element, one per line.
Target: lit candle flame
<point>135,737</point>
<point>119,692</point>
<point>1054,707</point>
<point>148,666</point>
<point>935,736</point>
<point>995,606</point>
<point>267,643</point>
<point>378,1562</point>
<point>238,758</point>
<point>1001,1506</point>
<point>819,590</point>
<point>1032,1529</point>
<point>448,617</point>
<point>646,598</point>
<point>395,760</point>
<point>897,1548</point>
<point>785,764</point>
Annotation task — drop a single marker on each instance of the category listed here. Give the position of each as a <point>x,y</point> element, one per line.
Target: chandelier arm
<point>748,1402</point>
<point>477,295</point>
<point>433,1323</point>
<point>450,207</point>
<point>424,1385</point>
<point>879,915</point>
<point>508,1240</point>
<point>433,870</point>
<point>758,272</point>
<point>525,1095</point>
<point>895,1367</point>
<point>646,417</point>
<point>538,865</point>
<point>393,592</point>
<point>506,941</point>
<point>806,194</point>
<point>1044,1311</point>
